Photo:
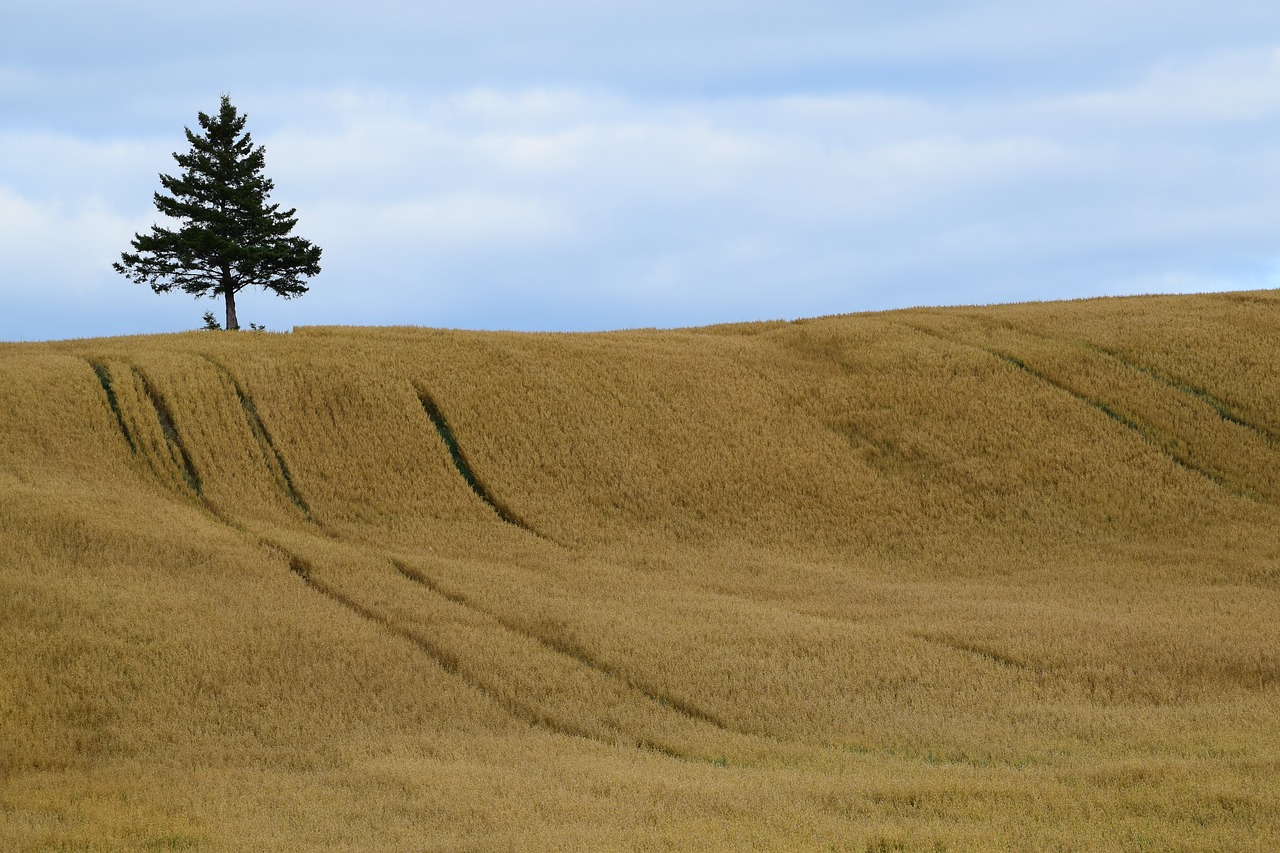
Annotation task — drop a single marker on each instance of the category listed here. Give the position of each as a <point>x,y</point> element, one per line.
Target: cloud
<point>588,209</point>
<point>1234,87</point>
<point>586,165</point>
<point>51,242</point>
<point>55,274</point>
<point>458,224</point>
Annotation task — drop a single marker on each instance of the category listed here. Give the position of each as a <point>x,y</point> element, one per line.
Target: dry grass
<point>962,579</point>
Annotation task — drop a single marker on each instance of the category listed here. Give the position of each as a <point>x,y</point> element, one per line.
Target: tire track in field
<point>104,379</point>
<point>1223,409</point>
<point>170,433</point>
<point>1143,431</point>
<point>266,446</point>
<point>1198,399</point>
<point>978,650</point>
<point>570,652</point>
<point>463,466</point>
<point>164,419</point>
<point>1197,394</point>
<point>453,665</point>
<point>300,567</point>
<point>449,662</point>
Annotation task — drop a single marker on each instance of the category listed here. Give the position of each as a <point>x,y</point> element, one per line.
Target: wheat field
<point>1001,578</point>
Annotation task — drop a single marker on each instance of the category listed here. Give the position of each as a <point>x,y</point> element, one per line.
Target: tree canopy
<point>229,235</point>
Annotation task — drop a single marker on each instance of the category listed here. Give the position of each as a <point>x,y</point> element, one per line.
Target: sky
<point>599,164</point>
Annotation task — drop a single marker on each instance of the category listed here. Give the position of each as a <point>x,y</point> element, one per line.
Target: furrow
<point>1198,395</point>
<point>573,653</point>
<point>1195,397</point>
<point>170,432</point>
<point>267,447</point>
<point>464,467</point>
<point>1100,406</point>
<point>104,378</point>
<point>1144,432</point>
<point>447,661</point>
<point>977,650</point>
<point>1223,409</point>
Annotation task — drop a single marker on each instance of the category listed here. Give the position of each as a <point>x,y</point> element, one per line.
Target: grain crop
<point>956,579</point>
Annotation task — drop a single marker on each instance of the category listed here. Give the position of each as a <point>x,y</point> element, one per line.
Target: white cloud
<point>586,165</point>
<point>64,247</point>
<point>1234,87</point>
<point>462,223</point>
<point>69,168</point>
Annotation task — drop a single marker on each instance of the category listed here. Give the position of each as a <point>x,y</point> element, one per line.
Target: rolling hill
<point>936,579</point>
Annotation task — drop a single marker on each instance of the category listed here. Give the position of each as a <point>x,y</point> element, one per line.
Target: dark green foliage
<point>230,236</point>
<point>211,323</point>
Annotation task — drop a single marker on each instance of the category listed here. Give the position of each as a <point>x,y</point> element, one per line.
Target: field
<point>939,580</point>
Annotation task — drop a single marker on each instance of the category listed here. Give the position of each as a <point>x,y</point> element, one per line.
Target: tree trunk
<point>233,324</point>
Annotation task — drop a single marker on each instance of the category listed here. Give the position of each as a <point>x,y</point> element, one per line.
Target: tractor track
<point>570,652</point>
<point>449,662</point>
<point>464,468</point>
<point>271,455</point>
<point>1143,431</point>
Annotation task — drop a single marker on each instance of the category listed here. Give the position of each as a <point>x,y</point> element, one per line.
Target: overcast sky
<point>597,164</point>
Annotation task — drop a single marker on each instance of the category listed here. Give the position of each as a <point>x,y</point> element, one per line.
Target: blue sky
<point>576,165</point>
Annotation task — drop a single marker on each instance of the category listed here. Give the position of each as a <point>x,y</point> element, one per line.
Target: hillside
<point>938,579</point>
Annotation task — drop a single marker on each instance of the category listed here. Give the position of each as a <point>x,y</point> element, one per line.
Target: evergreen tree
<point>229,237</point>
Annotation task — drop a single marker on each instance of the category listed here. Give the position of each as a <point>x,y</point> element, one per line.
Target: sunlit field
<point>939,580</point>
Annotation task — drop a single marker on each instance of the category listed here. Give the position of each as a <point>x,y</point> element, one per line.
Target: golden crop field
<point>958,579</point>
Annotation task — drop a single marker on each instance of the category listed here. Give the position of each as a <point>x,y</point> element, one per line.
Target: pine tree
<point>230,236</point>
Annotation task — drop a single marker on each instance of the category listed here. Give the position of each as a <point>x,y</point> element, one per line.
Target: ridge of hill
<point>936,579</point>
